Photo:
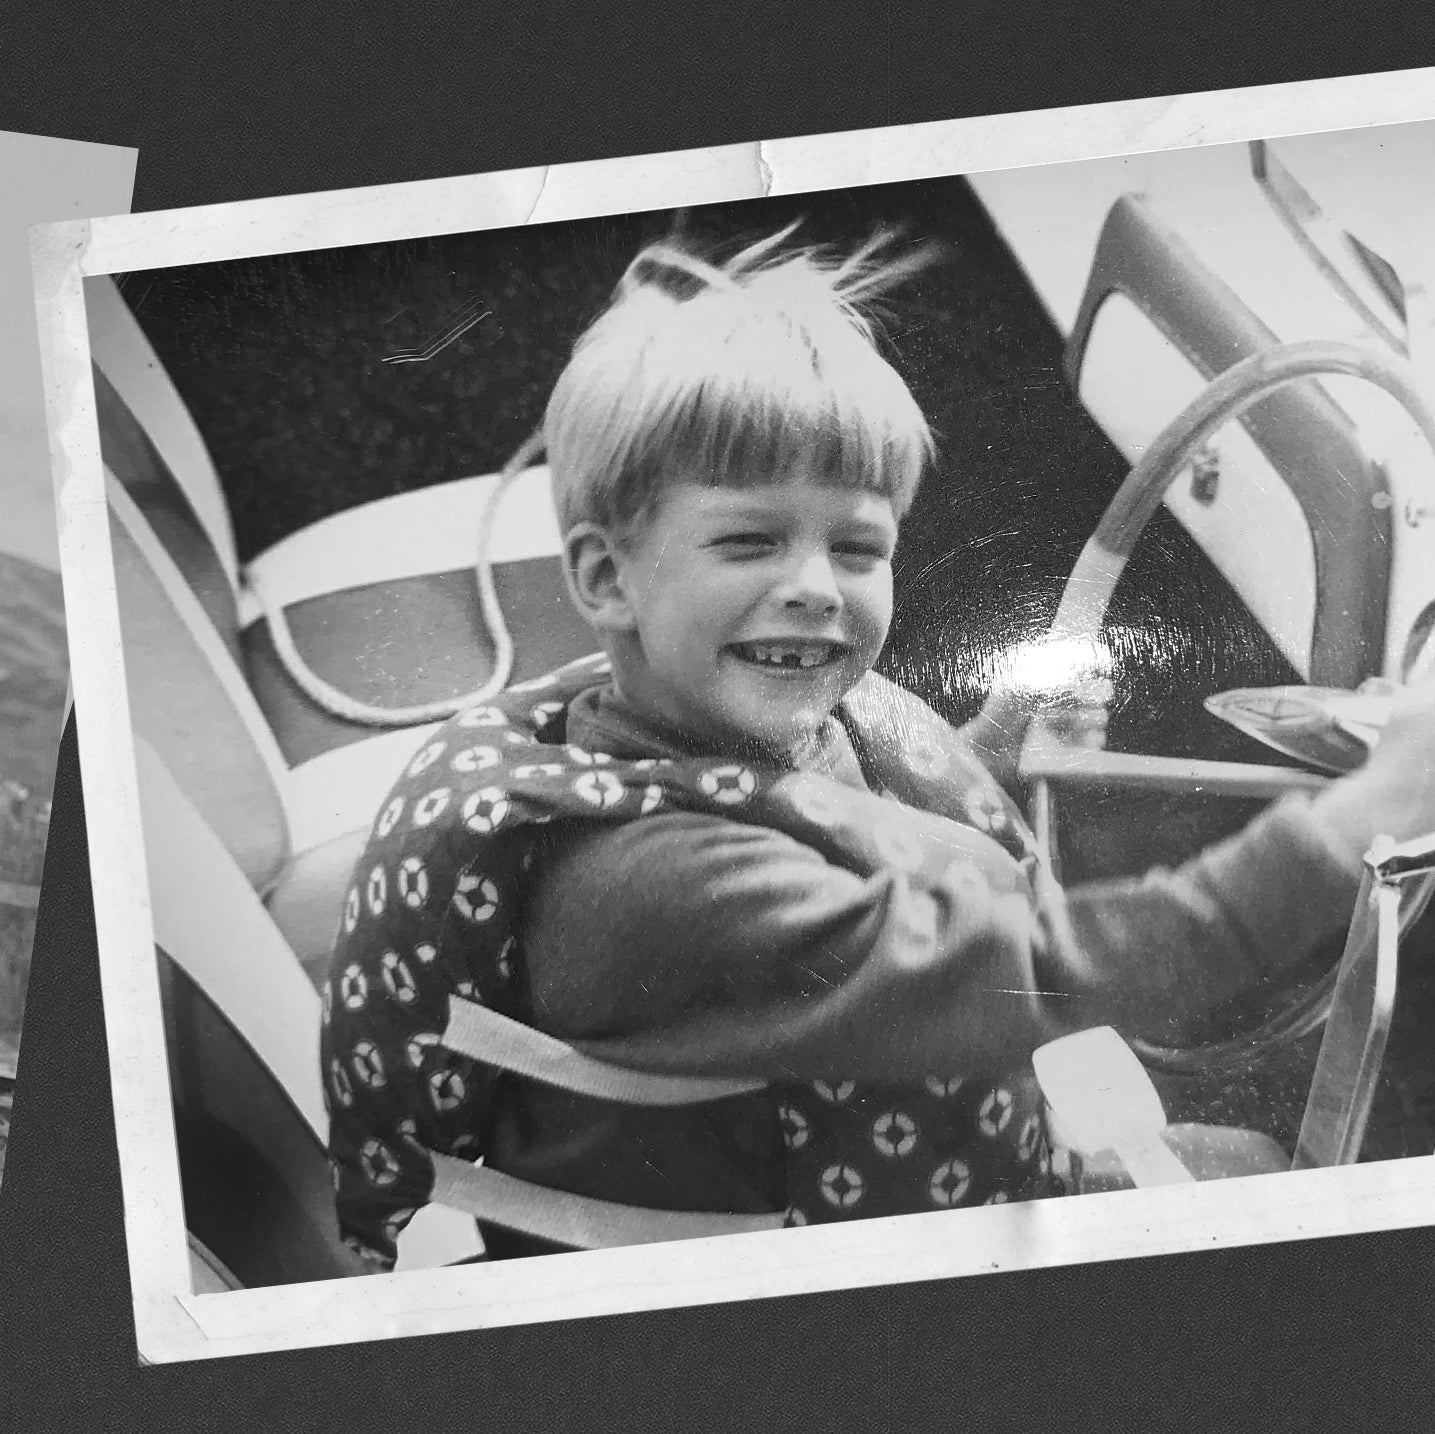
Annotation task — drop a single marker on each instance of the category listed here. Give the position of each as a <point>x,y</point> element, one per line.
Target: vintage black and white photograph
<point>746,742</point>
<point>42,179</point>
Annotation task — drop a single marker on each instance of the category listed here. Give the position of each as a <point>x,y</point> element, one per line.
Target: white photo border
<point>173,1323</point>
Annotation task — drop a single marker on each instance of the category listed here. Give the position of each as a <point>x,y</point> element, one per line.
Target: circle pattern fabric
<point>431,915</point>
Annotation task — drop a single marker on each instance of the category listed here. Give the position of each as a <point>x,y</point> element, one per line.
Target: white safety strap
<point>496,1040</point>
<point>577,1221</point>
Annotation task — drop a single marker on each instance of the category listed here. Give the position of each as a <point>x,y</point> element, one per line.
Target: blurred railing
<point>24,828</point>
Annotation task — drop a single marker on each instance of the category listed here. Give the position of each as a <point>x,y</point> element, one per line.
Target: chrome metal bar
<point>1077,766</point>
<point>1401,860</point>
<point>1043,823</point>
<point>1397,886</point>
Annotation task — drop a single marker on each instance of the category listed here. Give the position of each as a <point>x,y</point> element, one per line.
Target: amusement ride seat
<point>278,796</point>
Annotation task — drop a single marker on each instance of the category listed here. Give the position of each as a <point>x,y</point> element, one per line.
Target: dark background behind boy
<point>1304,1336</point>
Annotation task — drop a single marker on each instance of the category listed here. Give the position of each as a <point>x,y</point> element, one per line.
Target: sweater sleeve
<point>688,943</point>
<point>1175,943</point>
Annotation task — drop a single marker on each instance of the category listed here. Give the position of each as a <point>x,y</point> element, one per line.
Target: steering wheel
<point>1045,759</point>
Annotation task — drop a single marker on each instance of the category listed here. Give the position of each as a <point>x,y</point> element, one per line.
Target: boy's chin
<point>781,735</point>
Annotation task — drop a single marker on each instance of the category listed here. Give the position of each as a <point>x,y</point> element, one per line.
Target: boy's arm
<point>1177,942</point>
<point>688,943</point>
<point>1262,899</point>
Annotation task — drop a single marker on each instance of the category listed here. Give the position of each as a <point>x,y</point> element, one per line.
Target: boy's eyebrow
<point>744,512</point>
<point>738,505</point>
<point>877,524</point>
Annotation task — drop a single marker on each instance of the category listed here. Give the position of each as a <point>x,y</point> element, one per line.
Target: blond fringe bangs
<point>747,373</point>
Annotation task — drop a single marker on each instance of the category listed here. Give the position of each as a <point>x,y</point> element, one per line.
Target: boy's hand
<point>1393,794</point>
<point>1076,715</point>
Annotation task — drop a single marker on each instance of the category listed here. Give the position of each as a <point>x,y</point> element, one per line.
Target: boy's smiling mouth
<point>787,654</point>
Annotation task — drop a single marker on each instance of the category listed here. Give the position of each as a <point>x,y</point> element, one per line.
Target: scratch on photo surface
<point>805,968</point>
<point>469,314</point>
<point>139,302</point>
<point>663,1175</point>
<point>662,553</point>
<point>1032,991</point>
<point>123,281</point>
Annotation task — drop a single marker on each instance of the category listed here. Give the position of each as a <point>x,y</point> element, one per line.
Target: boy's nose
<point>813,584</point>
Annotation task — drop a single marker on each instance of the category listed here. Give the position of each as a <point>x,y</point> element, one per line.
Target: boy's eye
<point>870,552</point>
<point>746,542</point>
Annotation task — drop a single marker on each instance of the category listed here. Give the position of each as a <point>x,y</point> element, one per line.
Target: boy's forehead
<point>796,495</point>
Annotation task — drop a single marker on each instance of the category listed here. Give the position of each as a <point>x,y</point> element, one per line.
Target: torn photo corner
<point>42,179</point>
<point>1176,358</point>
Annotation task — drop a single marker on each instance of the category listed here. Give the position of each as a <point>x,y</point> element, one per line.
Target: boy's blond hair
<point>732,374</point>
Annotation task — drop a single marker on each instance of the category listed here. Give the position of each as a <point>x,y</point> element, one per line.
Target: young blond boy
<point>731,852</point>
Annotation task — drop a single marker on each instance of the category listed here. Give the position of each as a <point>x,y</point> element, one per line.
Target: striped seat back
<point>382,603</point>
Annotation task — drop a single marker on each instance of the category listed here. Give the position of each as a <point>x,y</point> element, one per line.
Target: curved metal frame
<point>1097,571</point>
<point>1304,433</point>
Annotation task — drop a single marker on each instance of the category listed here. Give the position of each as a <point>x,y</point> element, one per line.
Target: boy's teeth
<point>782,656</point>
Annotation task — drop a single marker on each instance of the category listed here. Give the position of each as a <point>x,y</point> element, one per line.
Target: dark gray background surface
<point>261,99</point>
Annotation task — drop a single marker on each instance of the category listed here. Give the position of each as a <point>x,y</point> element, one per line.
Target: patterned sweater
<point>870,930</point>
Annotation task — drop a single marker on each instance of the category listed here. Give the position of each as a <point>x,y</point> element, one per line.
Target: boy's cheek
<point>862,660</point>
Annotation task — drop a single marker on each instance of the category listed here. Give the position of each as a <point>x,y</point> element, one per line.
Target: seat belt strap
<point>497,1040</point>
<point>577,1221</point>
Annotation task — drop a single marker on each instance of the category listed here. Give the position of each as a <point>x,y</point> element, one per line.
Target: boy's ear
<point>593,570</point>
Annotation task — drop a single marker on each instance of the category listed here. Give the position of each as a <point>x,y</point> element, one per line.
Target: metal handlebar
<point>1396,887</point>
